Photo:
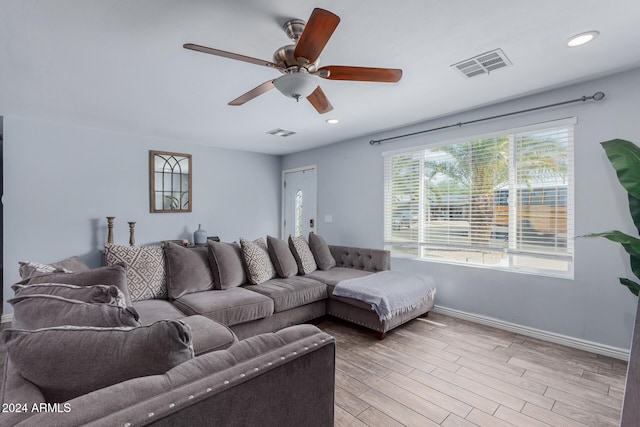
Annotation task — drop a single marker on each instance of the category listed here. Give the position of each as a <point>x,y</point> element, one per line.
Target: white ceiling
<point>119,64</point>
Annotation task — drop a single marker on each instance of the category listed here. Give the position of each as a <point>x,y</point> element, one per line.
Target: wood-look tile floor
<point>449,372</point>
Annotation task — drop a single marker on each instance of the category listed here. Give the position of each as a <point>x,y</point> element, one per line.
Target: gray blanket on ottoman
<point>389,293</point>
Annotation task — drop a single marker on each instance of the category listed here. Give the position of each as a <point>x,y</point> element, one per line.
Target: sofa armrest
<point>361,258</point>
<point>247,384</point>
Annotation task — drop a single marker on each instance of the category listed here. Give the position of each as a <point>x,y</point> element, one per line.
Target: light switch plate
<point>328,219</point>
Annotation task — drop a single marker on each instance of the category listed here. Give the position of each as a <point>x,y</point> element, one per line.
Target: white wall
<point>60,183</point>
<point>593,307</point>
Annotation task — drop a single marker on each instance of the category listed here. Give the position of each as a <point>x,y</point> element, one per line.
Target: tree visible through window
<point>502,201</point>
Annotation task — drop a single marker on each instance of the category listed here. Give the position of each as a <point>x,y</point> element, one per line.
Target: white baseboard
<point>590,346</point>
<point>6,318</point>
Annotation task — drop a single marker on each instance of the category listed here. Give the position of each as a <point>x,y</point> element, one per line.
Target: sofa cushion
<point>226,265</point>
<point>281,257</point>
<point>44,311</point>
<point>188,269</point>
<point>302,253</point>
<point>109,355</point>
<point>291,292</point>
<point>115,275</point>
<point>146,274</point>
<point>229,307</point>
<point>152,310</point>
<point>95,294</point>
<point>209,335</point>
<point>69,265</point>
<point>256,258</point>
<point>321,252</point>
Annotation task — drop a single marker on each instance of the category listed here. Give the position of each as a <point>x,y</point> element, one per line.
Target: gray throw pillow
<point>226,265</point>
<point>115,275</point>
<point>301,252</point>
<point>108,355</point>
<point>281,257</point>
<point>321,252</point>
<point>94,294</point>
<point>45,311</point>
<point>256,258</point>
<point>188,269</point>
<point>69,265</point>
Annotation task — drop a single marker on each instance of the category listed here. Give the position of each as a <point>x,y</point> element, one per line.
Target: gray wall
<point>62,181</point>
<point>592,307</point>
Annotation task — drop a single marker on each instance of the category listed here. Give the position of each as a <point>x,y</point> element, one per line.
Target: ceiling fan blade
<point>316,34</point>
<point>253,93</point>
<point>362,74</point>
<point>231,55</point>
<point>319,101</point>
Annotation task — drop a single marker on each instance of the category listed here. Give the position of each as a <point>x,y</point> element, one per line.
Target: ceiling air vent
<point>282,132</point>
<point>483,63</point>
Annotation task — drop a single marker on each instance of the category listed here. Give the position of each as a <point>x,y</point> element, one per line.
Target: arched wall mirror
<point>170,178</point>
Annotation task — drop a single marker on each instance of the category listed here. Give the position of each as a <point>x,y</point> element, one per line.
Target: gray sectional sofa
<point>229,316</point>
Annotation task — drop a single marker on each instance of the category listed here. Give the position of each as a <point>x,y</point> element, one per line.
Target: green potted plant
<point>625,159</point>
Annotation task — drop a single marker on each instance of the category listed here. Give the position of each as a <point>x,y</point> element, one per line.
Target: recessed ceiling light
<point>333,121</point>
<point>582,38</point>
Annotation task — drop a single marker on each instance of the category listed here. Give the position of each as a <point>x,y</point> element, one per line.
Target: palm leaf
<point>634,208</point>
<point>625,159</point>
<point>631,244</point>
<point>633,286</point>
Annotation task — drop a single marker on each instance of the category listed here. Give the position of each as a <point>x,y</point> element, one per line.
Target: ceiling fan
<point>298,63</point>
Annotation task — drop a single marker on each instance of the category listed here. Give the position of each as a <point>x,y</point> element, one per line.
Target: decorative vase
<point>200,236</point>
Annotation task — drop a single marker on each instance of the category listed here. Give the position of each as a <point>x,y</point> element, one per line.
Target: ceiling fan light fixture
<point>297,85</point>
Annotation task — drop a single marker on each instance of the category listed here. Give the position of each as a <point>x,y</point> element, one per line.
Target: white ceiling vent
<point>483,63</point>
<point>282,132</point>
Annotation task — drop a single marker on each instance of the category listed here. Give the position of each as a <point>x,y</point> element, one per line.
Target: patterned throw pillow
<point>302,254</point>
<point>146,271</point>
<point>256,256</point>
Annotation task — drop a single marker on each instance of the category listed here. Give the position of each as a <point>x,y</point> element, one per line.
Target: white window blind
<point>503,201</point>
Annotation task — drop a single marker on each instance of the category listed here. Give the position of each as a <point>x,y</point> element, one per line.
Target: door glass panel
<point>298,213</point>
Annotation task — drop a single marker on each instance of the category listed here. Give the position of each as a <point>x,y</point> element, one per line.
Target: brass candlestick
<point>110,228</point>
<point>132,226</point>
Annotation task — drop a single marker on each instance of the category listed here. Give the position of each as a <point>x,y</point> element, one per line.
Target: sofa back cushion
<point>115,275</point>
<point>188,269</point>
<point>146,271</point>
<point>226,265</point>
<point>321,252</point>
<point>303,255</point>
<point>108,355</point>
<point>44,311</point>
<point>281,257</point>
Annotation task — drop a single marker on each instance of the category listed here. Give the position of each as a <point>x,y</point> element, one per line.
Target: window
<point>503,201</point>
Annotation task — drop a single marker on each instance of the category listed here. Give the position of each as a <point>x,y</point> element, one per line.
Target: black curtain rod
<point>596,97</point>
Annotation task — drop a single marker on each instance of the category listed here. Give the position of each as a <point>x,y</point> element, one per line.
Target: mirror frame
<point>152,180</point>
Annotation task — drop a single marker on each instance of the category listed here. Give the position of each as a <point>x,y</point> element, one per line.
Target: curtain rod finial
<point>598,96</point>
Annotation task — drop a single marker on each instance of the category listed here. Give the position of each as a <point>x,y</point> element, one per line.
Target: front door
<point>299,201</point>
